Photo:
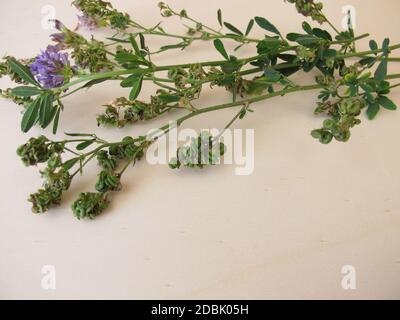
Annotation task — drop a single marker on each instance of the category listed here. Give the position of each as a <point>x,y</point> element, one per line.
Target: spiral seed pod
<point>108,181</point>
<point>105,161</point>
<point>35,151</point>
<point>44,199</point>
<point>201,151</point>
<point>89,205</point>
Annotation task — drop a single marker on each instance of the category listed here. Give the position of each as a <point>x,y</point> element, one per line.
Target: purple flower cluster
<point>50,67</point>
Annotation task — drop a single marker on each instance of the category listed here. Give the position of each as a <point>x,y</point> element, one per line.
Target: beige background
<point>283,232</point>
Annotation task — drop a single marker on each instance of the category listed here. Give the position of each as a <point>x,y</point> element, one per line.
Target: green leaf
<point>385,46</point>
<point>381,71</point>
<point>134,45</point>
<point>372,110</point>
<point>130,81</point>
<point>373,45</point>
<point>221,49</point>
<point>231,66</point>
<point>219,17</point>
<point>94,82</point>
<point>330,53</point>
<point>272,75</point>
<point>142,42</point>
<point>70,163</point>
<point>293,36</point>
<point>136,88</point>
<point>76,134</point>
<point>322,34</point>
<point>118,40</point>
<point>31,114</point>
<point>83,145</point>
<point>22,71</point>
<point>266,25</point>
<point>287,57</point>
<point>366,87</point>
<point>307,40</point>
<point>46,112</point>
<point>168,98</point>
<point>123,57</point>
<point>233,28</point>
<point>287,69</point>
<point>25,91</point>
<point>306,27</point>
<point>249,27</point>
<point>56,120</point>
<point>367,61</point>
<point>387,103</point>
<point>174,46</point>
<point>267,45</point>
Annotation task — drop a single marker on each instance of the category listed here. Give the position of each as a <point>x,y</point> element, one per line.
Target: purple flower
<point>87,22</point>
<point>51,68</point>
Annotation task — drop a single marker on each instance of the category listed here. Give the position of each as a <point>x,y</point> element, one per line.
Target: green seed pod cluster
<point>89,205</point>
<point>44,199</point>
<point>165,10</point>
<point>38,150</point>
<point>56,181</point>
<point>324,107</point>
<point>132,149</point>
<point>305,54</point>
<point>123,111</point>
<point>103,12</point>
<point>3,68</point>
<point>128,150</point>
<point>185,78</point>
<point>108,181</point>
<point>106,161</point>
<point>344,117</point>
<point>309,8</point>
<point>110,117</point>
<point>92,56</point>
<point>200,152</point>
<point>141,111</point>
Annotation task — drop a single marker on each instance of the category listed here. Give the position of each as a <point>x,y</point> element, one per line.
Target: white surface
<point>283,232</point>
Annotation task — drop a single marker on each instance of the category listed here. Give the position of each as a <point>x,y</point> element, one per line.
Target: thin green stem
<point>395,86</point>
<point>363,36</point>
<point>365,53</point>
<point>249,101</point>
<point>202,64</point>
<point>393,76</point>
<point>244,103</point>
<point>332,26</point>
<point>179,121</point>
